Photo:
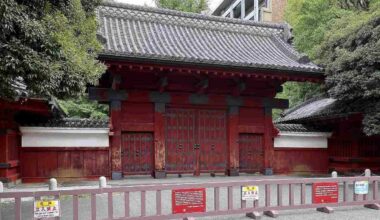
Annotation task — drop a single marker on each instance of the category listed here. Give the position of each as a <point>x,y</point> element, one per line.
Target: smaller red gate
<point>251,153</point>
<point>137,153</point>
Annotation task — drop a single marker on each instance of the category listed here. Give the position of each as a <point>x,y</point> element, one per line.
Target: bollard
<point>334,174</point>
<point>53,184</point>
<point>1,187</point>
<point>367,173</point>
<point>102,182</point>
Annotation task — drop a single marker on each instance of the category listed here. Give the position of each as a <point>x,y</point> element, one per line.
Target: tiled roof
<point>312,109</point>
<point>300,128</point>
<point>161,35</point>
<point>72,123</point>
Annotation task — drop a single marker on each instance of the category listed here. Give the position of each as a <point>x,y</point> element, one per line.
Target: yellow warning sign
<point>250,193</point>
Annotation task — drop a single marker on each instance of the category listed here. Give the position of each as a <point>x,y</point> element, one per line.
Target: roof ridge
<point>302,104</point>
<point>193,15</point>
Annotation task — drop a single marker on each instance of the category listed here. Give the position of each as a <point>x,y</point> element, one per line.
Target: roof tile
<point>166,35</point>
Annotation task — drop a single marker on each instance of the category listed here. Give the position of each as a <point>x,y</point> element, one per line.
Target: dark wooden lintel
<point>275,103</point>
<point>106,95</point>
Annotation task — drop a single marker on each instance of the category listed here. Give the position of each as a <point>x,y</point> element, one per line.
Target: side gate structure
<point>221,198</point>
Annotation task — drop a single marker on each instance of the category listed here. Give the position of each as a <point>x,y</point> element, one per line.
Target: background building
<point>256,10</point>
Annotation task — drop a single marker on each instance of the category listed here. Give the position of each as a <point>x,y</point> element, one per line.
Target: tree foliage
<point>50,46</point>
<point>196,6</point>
<point>83,108</point>
<point>343,36</point>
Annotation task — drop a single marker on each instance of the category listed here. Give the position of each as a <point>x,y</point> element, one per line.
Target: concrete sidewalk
<point>140,180</point>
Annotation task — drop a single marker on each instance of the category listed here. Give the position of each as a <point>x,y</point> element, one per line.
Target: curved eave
<point>314,73</point>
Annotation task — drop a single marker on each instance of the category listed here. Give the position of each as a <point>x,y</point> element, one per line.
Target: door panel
<point>251,153</point>
<point>180,139</point>
<point>188,128</point>
<point>212,139</point>
<point>137,153</point>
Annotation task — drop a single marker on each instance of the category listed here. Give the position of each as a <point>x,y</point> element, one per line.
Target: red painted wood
<point>159,140</point>
<point>233,145</point>
<point>251,153</point>
<point>42,163</point>
<point>268,140</point>
<point>220,72</point>
<point>137,153</point>
<point>296,160</point>
<point>212,131</point>
<point>115,148</point>
<point>196,140</point>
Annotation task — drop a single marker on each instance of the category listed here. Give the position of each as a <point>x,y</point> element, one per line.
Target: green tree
<point>83,108</point>
<point>196,6</point>
<point>351,56</point>
<point>343,36</point>
<point>49,46</point>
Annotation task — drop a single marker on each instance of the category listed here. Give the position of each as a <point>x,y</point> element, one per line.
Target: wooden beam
<point>233,144</point>
<point>106,95</point>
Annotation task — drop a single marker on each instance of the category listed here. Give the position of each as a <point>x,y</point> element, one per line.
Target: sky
<point>213,3</point>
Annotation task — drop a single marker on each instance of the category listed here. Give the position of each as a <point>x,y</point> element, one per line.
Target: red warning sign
<point>325,192</point>
<point>188,200</point>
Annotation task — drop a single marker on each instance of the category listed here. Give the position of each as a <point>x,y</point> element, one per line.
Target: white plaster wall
<point>64,137</point>
<point>301,140</point>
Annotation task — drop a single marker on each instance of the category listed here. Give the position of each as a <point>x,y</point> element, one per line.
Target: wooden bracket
<point>202,85</point>
<point>327,210</point>
<point>239,88</point>
<point>163,83</point>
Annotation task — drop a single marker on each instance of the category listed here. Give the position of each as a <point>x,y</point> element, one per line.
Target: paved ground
<point>7,207</point>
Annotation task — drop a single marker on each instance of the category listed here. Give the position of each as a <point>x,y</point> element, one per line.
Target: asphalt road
<point>346,213</point>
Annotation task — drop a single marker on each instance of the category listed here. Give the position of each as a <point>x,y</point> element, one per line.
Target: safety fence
<point>176,201</point>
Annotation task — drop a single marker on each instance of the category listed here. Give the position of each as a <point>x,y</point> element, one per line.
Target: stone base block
<point>253,215</point>
<point>327,210</point>
<point>271,213</point>
<point>374,206</point>
<point>268,171</point>
<point>233,172</point>
<point>116,175</point>
<point>159,174</point>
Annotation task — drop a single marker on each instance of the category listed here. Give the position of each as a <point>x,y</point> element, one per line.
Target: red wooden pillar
<point>268,142</point>
<point>116,163</point>
<point>233,141</point>
<point>159,140</point>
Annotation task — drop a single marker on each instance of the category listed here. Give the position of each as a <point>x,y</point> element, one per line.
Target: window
<point>267,4</point>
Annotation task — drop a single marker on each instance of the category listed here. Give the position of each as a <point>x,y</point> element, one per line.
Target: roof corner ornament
<point>303,58</point>
<point>288,36</point>
<point>101,38</point>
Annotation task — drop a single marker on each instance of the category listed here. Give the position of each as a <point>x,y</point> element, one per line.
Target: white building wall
<point>64,137</point>
<point>301,140</point>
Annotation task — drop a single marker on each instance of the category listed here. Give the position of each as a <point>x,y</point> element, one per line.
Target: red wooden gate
<point>137,153</point>
<point>195,140</point>
<point>251,153</point>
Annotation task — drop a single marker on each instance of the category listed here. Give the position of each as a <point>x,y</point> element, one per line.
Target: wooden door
<point>251,153</point>
<point>212,137</point>
<point>137,153</point>
<point>180,140</point>
<point>195,140</point>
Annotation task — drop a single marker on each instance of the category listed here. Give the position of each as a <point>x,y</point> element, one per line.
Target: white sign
<point>361,187</point>
<point>46,209</point>
<point>249,193</point>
